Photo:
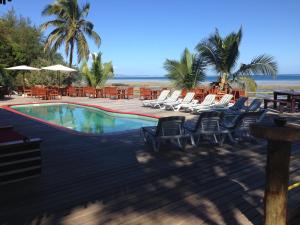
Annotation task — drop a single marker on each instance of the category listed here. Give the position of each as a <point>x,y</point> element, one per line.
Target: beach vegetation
<point>98,73</point>
<point>187,72</point>
<point>222,53</point>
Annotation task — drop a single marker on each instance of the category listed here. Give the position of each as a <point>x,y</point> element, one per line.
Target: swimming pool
<point>85,119</point>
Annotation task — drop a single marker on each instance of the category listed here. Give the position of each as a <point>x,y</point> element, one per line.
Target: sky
<point>139,35</point>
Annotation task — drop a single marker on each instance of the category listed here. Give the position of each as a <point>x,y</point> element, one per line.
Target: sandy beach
<point>261,85</point>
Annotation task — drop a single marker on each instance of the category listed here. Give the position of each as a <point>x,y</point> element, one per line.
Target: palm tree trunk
<point>223,81</point>
<point>71,53</point>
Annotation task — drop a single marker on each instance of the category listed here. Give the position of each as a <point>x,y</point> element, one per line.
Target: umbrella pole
<point>23,83</point>
<point>58,74</point>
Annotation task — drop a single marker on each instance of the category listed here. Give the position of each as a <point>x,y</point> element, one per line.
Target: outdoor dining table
<point>291,97</point>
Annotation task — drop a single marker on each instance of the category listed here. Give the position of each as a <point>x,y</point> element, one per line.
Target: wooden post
<point>277,169</point>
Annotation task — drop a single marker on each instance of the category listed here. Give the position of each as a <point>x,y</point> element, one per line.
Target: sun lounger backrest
<point>169,126</point>
<point>188,97</point>
<point>207,120</point>
<point>239,104</point>
<point>209,99</point>
<point>163,95</point>
<point>248,118</point>
<point>210,124</point>
<point>255,105</point>
<point>225,99</point>
<point>174,96</point>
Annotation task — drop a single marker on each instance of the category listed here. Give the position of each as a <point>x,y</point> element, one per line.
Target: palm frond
<point>262,64</point>
<point>70,17</point>
<point>187,72</point>
<point>82,47</point>
<point>85,10</point>
<point>55,23</point>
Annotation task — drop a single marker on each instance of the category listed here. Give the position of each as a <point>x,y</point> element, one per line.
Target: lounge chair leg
<point>231,137</point>
<point>144,136</point>
<point>222,138</point>
<point>156,145</point>
<point>181,146</point>
<point>215,138</point>
<point>193,140</point>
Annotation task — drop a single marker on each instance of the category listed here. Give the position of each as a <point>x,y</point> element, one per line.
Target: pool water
<point>85,119</point>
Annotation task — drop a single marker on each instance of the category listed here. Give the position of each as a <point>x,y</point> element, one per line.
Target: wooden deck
<point>118,180</point>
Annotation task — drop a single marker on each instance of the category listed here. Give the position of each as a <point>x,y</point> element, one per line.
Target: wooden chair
<point>53,93</point>
<point>200,93</point>
<point>113,93</point>
<point>121,92</point>
<point>145,93</point>
<point>100,93</point>
<point>41,93</point>
<point>106,92</point>
<point>89,92</point>
<point>129,93</point>
<point>183,92</point>
<point>71,91</point>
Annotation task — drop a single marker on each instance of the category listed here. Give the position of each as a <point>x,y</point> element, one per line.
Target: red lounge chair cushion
<point>7,135</point>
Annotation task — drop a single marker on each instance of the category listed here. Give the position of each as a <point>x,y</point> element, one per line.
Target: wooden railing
<point>280,139</point>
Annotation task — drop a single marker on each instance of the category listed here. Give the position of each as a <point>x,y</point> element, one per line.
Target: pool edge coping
<point>71,131</point>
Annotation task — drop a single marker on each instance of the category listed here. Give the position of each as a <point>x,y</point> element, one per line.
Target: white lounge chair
<point>208,101</point>
<point>163,95</point>
<point>223,103</point>
<point>175,106</point>
<point>173,98</point>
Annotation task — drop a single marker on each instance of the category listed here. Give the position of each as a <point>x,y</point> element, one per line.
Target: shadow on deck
<point>118,180</point>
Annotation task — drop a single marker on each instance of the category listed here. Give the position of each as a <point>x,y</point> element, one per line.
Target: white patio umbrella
<point>59,68</point>
<point>23,68</point>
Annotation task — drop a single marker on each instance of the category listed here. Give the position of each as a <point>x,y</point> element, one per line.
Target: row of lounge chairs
<point>217,119</point>
<point>189,104</point>
<point>213,125</point>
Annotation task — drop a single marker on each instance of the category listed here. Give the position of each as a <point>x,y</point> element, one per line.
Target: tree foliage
<point>21,43</point>
<point>223,53</point>
<point>187,72</point>
<point>99,72</point>
<point>70,28</point>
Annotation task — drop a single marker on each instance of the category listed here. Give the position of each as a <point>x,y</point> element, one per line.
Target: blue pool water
<point>85,119</point>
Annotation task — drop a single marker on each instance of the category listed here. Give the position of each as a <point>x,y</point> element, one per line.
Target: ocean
<point>293,79</point>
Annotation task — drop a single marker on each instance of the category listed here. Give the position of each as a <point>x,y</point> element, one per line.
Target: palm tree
<point>187,72</point>
<point>99,73</point>
<point>223,54</point>
<point>70,28</point>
